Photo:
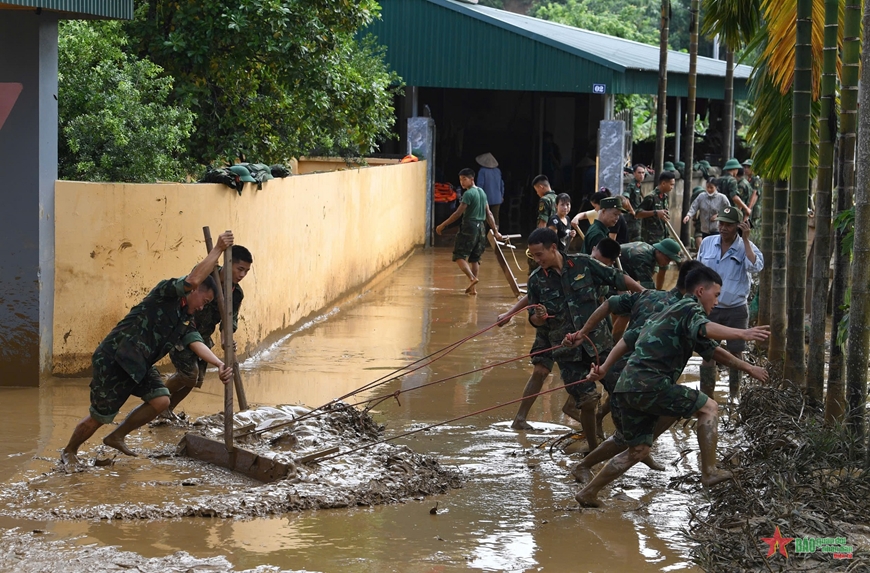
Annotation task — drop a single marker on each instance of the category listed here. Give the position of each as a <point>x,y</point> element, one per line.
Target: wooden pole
<point>677,239</point>
<point>229,358</point>
<point>237,374</point>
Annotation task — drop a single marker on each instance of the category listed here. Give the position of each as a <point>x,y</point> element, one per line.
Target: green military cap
<point>670,248</point>
<point>243,173</point>
<point>747,162</point>
<point>612,203</point>
<point>698,189</point>
<point>730,215</point>
<point>669,166</point>
<point>731,164</point>
<point>704,163</point>
<point>680,165</point>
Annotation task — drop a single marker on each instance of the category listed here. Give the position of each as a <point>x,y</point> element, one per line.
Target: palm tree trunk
<point>728,115</point>
<point>776,350</point>
<point>662,108</point>
<point>795,361</point>
<point>858,342</point>
<point>822,242</point>
<point>689,144</point>
<point>835,402</point>
<point>766,247</point>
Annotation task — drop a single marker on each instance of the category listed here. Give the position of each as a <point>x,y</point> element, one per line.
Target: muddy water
<point>515,512</point>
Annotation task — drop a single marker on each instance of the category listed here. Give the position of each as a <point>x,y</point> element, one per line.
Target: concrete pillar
<point>421,136</point>
<point>28,156</point>
<point>611,155</point>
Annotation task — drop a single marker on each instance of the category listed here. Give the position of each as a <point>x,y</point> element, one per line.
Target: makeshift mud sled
<point>502,261</point>
<point>225,454</point>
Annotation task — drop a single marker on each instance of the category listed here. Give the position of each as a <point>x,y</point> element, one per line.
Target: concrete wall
<point>313,238</point>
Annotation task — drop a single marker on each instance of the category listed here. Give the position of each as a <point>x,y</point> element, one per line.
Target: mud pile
<point>791,472</point>
<point>379,474</point>
<point>31,553</point>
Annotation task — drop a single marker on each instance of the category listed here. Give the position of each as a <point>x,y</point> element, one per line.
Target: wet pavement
<point>514,512</point>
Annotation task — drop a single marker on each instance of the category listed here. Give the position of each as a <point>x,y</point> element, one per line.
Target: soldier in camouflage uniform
<point>639,307</point>
<point>190,368</point>
<point>653,211</point>
<point>124,361</point>
<point>641,260</point>
<point>608,216</point>
<point>755,183</point>
<point>606,253</point>
<point>632,191</point>
<point>647,388</point>
<point>564,292</point>
<point>730,187</point>
<point>471,239</point>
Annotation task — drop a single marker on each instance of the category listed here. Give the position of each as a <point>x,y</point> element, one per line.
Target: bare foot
<point>576,447</point>
<point>717,476</point>
<point>653,464</point>
<point>471,289</point>
<point>69,458</point>
<point>587,499</point>
<point>520,424</point>
<point>118,444</point>
<point>581,474</point>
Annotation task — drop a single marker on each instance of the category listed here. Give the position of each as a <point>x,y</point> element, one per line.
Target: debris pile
<point>380,474</point>
<point>792,473</point>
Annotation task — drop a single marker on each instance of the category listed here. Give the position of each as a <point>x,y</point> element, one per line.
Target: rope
<point>408,433</point>
<point>395,374</point>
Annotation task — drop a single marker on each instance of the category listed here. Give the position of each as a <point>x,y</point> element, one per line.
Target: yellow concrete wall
<point>305,165</point>
<point>313,238</point>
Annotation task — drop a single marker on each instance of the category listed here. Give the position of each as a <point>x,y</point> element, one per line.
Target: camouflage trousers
<point>470,241</point>
<point>571,371</point>
<point>638,412</point>
<point>111,386</point>
<point>542,343</point>
<point>190,369</point>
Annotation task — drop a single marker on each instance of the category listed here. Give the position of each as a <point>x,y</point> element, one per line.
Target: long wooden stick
<point>229,358</point>
<point>237,374</point>
<point>677,238</point>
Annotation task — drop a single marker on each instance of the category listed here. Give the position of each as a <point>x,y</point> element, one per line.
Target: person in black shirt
<point>559,221</point>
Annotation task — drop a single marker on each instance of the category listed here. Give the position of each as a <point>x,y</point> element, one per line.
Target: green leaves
<point>114,120</point>
<point>272,79</point>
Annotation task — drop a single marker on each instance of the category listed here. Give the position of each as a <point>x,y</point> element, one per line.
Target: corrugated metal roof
<point>117,9</point>
<point>444,43</point>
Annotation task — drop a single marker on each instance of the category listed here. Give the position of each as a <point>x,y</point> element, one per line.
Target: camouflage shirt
<point>639,262</point>
<point>640,306</point>
<point>663,346</point>
<point>209,317</point>
<point>571,297</point>
<point>596,232</point>
<point>744,189</point>
<point>632,192</point>
<point>653,229</point>
<point>756,184</point>
<point>151,329</point>
<point>547,207</point>
<point>728,187</point>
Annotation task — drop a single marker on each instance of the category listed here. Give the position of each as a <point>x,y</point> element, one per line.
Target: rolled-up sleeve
<point>758,265</point>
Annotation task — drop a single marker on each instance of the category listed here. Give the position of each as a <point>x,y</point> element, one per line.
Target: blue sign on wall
<point>599,88</point>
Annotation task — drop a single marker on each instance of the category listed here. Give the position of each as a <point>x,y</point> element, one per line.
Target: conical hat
<point>486,160</point>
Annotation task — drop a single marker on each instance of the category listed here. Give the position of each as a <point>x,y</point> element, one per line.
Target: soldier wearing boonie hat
<point>735,258</point>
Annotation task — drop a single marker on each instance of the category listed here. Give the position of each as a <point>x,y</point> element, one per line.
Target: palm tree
<point>859,310</point>
<point>795,361</point>
<point>766,246</point>
<point>662,109</point>
<point>822,243</point>
<point>689,144</point>
<point>835,400</point>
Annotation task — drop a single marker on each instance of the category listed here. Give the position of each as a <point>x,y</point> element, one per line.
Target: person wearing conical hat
<point>731,254</point>
<point>489,179</point>
<point>729,186</point>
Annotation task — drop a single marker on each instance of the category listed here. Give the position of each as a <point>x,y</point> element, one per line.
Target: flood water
<point>516,511</point>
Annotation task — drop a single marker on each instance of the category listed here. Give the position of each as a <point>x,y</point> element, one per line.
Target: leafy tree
<point>272,79</point>
<point>114,120</point>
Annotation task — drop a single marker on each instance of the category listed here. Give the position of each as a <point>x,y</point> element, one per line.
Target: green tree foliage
<point>114,120</point>
<point>272,79</point>
<point>636,20</point>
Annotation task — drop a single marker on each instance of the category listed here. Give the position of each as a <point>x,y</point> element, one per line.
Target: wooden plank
<point>239,460</point>
<point>315,455</point>
<point>502,262</point>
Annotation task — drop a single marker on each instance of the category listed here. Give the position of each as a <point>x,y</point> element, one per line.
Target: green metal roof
<point>445,43</point>
<point>117,9</point>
